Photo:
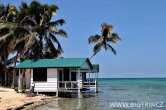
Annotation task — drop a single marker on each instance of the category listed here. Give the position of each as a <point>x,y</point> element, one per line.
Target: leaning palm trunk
<point>94,54</point>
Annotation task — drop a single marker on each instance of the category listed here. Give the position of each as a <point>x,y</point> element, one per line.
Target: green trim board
<point>58,63</point>
<point>95,69</point>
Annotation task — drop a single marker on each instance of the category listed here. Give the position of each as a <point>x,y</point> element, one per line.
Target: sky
<point>140,23</point>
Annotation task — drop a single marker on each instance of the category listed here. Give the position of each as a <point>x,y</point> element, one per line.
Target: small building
<point>58,75</point>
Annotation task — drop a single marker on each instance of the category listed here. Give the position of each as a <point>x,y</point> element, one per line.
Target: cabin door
<point>61,78</point>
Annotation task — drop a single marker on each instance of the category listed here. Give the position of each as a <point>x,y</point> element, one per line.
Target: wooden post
<point>95,84</point>
<point>57,83</point>
<point>19,81</point>
<point>78,79</point>
<point>89,82</point>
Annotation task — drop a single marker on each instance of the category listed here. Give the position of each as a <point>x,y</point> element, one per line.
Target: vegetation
<point>104,40</point>
<point>29,32</point>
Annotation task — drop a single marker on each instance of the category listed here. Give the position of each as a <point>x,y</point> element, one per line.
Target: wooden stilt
<point>19,81</point>
<point>79,85</point>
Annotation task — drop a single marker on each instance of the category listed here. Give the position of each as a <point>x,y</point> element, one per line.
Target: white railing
<point>90,84</point>
<point>68,84</point>
<point>76,84</point>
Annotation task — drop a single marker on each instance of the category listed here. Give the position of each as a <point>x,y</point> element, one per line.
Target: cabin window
<point>40,74</point>
<point>66,74</point>
<point>60,75</point>
<point>73,76</point>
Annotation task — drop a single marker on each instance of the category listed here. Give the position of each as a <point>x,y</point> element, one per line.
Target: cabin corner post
<point>79,81</point>
<point>57,83</point>
<point>95,84</point>
<point>89,81</point>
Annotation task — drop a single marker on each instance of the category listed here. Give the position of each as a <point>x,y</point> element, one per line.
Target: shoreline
<point>9,99</point>
<point>40,103</point>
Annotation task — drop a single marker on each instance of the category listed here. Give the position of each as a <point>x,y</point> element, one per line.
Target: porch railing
<point>90,84</point>
<point>76,84</point>
<point>68,84</point>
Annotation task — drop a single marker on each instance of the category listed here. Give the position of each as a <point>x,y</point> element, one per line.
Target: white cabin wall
<point>52,75</point>
<point>46,86</point>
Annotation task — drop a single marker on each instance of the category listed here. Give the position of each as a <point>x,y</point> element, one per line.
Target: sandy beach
<point>11,99</point>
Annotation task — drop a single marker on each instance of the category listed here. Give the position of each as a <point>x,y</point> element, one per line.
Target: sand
<point>11,99</point>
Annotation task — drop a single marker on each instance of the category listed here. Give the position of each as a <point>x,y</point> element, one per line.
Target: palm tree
<point>38,37</point>
<point>7,15</point>
<point>32,33</point>
<point>41,38</point>
<point>104,40</point>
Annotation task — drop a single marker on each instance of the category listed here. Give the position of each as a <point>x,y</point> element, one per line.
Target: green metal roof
<point>95,68</point>
<point>48,63</point>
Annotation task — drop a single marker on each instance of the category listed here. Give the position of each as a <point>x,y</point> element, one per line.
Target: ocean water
<point>151,93</point>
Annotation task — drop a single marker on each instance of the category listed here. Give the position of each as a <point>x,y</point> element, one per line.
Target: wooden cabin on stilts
<point>61,76</point>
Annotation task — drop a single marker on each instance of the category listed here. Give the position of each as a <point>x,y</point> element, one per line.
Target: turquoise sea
<point>150,91</point>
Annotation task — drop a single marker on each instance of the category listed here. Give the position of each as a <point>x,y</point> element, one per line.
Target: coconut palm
<point>104,40</point>
<point>41,39</point>
<point>32,33</point>
<point>7,16</point>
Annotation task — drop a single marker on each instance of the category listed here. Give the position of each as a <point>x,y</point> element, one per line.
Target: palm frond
<point>20,31</point>
<point>6,37</point>
<point>114,38</point>
<point>97,47</point>
<point>7,25</point>
<point>30,43</point>
<point>57,22</point>
<point>19,45</point>
<point>62,33</point>
<point>23,5</point>
<point>112,49</point>
<point>3,10</point>
<point>56,41</point>
<point>95,38</point>
<point>20,42</point>
<point>53,51</point>
<point>53,8</point>
<point>52,29</point>
<point>57,31</point>
<point>28,21</point>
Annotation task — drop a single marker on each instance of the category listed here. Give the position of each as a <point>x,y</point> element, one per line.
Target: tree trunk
<point>14,71</point>
<point>5,70</point>
<point>20,81</point>
<point>94,54</point>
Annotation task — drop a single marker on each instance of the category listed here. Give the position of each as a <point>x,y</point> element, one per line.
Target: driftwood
<point>28,103</point>
<point>21,106</point>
